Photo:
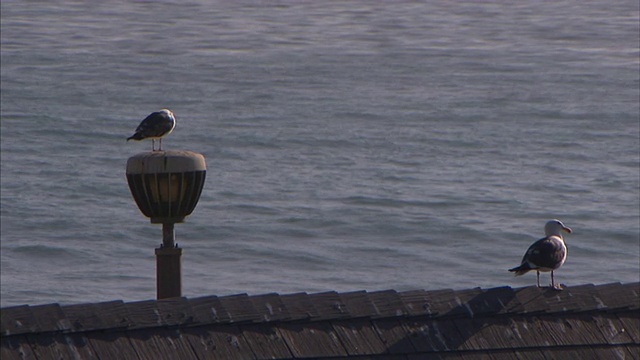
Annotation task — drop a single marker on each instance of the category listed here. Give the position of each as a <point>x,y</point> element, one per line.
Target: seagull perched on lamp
<point>155,126</point>
<point>546,254</point>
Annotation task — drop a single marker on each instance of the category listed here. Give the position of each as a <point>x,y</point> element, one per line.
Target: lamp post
<point>166,186</point>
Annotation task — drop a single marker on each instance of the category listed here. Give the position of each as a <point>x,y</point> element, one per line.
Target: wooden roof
<point>581,322</point>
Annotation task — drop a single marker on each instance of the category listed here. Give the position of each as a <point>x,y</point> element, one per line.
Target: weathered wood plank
<point>572,299</point>
<point>571,330</point>
<point>447,303</point>
<point>584,325</point>
<point>486,333</point>
<point>433,335</point>
<point>499,333</point>
<point>175,311</point>
<point>493,301</point>
<point>218,342</point>
<point>558,301</point>
<point>270,307</point>
<point>240,308</point>
<point>299,306</point>
<point>208,310</point>
<point>618,352</point>
<point>17,320</point>
<point>265,341</point>
<point>631,322</point>
<point>79,346</point>
<point>443,301</point>
<point>462,304</point>
<point>16,348</point>
<point>387,303</point>
<point>418,303</point>
<point>172,344</point>
<point>113,314</point>
<point>633,292</point>
<point>583,297</point>
<point>144,314</point>
<point>358,304</point>
<point>503,332</point>
<point>112,345</point>
<point>611,328</point>
<point>531,300</point>
<point>359,337</point>
<point>161,344</point>
<point>528,330</point>
<point>315,339</point>
<point>633,351</point>
<point>49,346</point>
<point>83,317</point>
<point>328,305</point>
<point>394,335</point>
<point>152,313</point>
<point>588,353</point>
<point>50,318</point>
<point>619,296</point>
<point>143,343</point>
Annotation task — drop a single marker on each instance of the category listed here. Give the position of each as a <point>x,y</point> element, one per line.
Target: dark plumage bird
<point>546,254</point>
<point>155,127</point>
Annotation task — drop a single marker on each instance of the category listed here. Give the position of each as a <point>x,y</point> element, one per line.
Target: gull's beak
<point>568,230</point>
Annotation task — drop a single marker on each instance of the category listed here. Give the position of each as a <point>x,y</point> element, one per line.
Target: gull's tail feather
<point>521,270</point>
<point>136,136</point>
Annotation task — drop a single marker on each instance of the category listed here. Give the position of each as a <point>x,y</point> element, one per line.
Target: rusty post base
<point>168,265</point>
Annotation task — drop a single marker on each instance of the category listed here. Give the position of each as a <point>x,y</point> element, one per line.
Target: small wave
<point>41,250</point>
<point>255,209</point>
<point>398,203</point>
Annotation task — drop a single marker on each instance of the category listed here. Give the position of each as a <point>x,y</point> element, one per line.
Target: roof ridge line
<point>475,303</point>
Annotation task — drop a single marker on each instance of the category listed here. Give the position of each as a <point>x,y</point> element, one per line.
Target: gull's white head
<point>554,227</point>
<point>169,113</point>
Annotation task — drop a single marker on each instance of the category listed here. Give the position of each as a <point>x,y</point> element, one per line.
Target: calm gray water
<point>350,145</point>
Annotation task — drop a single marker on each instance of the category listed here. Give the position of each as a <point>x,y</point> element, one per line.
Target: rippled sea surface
<point>350,145</point>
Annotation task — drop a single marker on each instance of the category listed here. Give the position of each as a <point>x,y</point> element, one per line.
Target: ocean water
<point>351,145</point>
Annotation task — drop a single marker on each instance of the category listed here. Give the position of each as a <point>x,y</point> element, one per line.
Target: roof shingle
<point>499,323</point>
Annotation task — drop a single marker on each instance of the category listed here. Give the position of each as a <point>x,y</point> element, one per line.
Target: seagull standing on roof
<point>546,254</point>
<point>155,127</point>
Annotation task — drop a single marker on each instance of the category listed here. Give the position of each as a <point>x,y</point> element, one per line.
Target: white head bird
<point>546,254</point>
<point>155,127</point>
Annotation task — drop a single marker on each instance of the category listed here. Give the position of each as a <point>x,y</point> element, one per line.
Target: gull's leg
<point>153,144</point>
<point>553,284</point>
<point>538,277</point>
<point>160,146</point>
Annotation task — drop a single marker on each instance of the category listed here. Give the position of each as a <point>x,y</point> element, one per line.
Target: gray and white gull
<point>546,254</point>
<point>155,126</point>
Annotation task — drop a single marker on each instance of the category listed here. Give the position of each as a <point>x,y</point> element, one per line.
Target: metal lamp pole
<point>166,186</point>
<point>168,265</point>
